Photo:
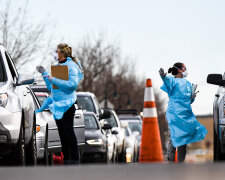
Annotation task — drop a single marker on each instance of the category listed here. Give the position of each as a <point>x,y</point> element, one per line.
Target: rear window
<point>3,77</point>
<point>86,103</point>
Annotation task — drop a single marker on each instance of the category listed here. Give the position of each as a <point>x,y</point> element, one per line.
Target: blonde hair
<point>66,51</point>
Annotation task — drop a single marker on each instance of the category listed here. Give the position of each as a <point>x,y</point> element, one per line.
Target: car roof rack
<point>127,111</point>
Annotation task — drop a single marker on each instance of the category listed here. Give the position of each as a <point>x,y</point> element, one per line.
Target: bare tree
<point>24,40</point>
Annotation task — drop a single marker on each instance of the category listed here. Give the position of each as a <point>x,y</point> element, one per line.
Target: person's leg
<point>72,146</point>
<point>63,140</point>
<point>170,151</point>
<point>181,153</point>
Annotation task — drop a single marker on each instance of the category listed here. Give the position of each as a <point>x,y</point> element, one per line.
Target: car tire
<point>19,155</point>
<point>50,158</point>
<point>114,155</point>
<point>217,155</point>
<point>31,149</point>
<point>122,157</point>
<point>44,161</point>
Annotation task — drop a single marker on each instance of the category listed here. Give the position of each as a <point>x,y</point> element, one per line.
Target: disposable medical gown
<point>63,98</point>
<point>184,127</point>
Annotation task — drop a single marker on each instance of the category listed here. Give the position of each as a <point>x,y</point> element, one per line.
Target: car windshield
<point>90,122</point>
<point>112,121</point>
<point>86,103</point>
<point>135,126</point>
<point>41,99</point>
<point>2,72</point>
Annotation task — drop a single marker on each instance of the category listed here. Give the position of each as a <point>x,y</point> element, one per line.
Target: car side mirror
<point>106,114</point>
<point>23,80</point>
<point>107,126</point>
<point>124,124</point>
<point>216,79</point>
<point>115,132</point>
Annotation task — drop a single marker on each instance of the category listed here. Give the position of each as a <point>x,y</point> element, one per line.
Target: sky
<point>158,33</point>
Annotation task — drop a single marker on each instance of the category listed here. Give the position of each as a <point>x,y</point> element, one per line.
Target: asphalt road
<point>113,172</point>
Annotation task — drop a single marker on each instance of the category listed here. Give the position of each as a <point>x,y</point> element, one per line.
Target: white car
<point>17,119</point>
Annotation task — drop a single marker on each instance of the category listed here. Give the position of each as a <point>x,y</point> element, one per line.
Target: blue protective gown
<point>184,127</point>
<point>63,98</point>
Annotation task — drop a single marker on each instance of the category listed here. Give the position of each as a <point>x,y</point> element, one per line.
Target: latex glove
<point>40,69</point>
<point>162,72</point>
<point>193,96</point>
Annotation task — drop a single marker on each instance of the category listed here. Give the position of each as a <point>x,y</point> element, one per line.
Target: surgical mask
<point>185,73</point>
<point>55,55</point>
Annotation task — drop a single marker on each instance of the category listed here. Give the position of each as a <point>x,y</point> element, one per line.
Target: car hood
<point>93,134</point>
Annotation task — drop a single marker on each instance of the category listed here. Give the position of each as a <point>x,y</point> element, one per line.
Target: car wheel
<point>50,158</point>
<point>18,156</point>
<point>217,155</point>
<point>114,155</point>
<point>31,155</point>
<point>44,161</point>
<point>122,157</point>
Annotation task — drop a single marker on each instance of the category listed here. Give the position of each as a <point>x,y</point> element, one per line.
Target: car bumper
<point>11,122</point>
<point>9,130</point>
<point>93,153</point>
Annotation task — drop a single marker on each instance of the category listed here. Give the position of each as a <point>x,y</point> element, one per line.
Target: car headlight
<point>38,128</point>
<point>95,142</point>
<point>3,99</point>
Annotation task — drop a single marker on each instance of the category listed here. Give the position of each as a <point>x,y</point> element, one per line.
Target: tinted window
<point>112,121</point>
<point>2,70</point>
<point>86,103</point>
<point>135,126</point>
<point>90,122</point>
<point>127,132</point>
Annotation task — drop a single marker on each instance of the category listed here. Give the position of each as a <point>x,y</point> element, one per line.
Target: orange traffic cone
<point>151,147</point>
<point>176,160</point>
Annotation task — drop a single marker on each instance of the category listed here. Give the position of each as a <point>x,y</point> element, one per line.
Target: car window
<point>90,122</point>
<point>3,77</point>
<point>112,121</point>
<point>41,99</point>
<point>127,132</point>
<point>86,103</point>
<point>98,106</point>
<point>11,66</point>
<point>135,126</point>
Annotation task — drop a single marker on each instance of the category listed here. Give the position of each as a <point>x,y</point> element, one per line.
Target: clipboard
<point>59,72</point>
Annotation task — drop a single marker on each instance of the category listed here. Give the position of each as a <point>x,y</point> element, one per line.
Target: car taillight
<point>3,99</point>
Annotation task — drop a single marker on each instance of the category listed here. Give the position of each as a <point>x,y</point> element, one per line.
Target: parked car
<point>96,149</point>
<point>118,130</point>
<point>135,124</point>
<point>54,144</point>
<point>17,119</point>
<point>41,133</point>
<point>218,116</point>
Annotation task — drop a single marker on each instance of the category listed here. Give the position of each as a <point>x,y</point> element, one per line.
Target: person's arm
<point>168,83</point>
<point>47,81</point>
<point>71,84</point>
<point>45,105</point>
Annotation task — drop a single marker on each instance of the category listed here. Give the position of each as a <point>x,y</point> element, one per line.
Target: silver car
<point>17,119</point>
<point>54,144</point>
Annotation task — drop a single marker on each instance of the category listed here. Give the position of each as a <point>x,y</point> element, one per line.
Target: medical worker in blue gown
<point>183,125</point>
<point>61,101</point>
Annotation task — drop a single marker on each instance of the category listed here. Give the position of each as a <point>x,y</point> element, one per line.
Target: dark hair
<point>174,69</point>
